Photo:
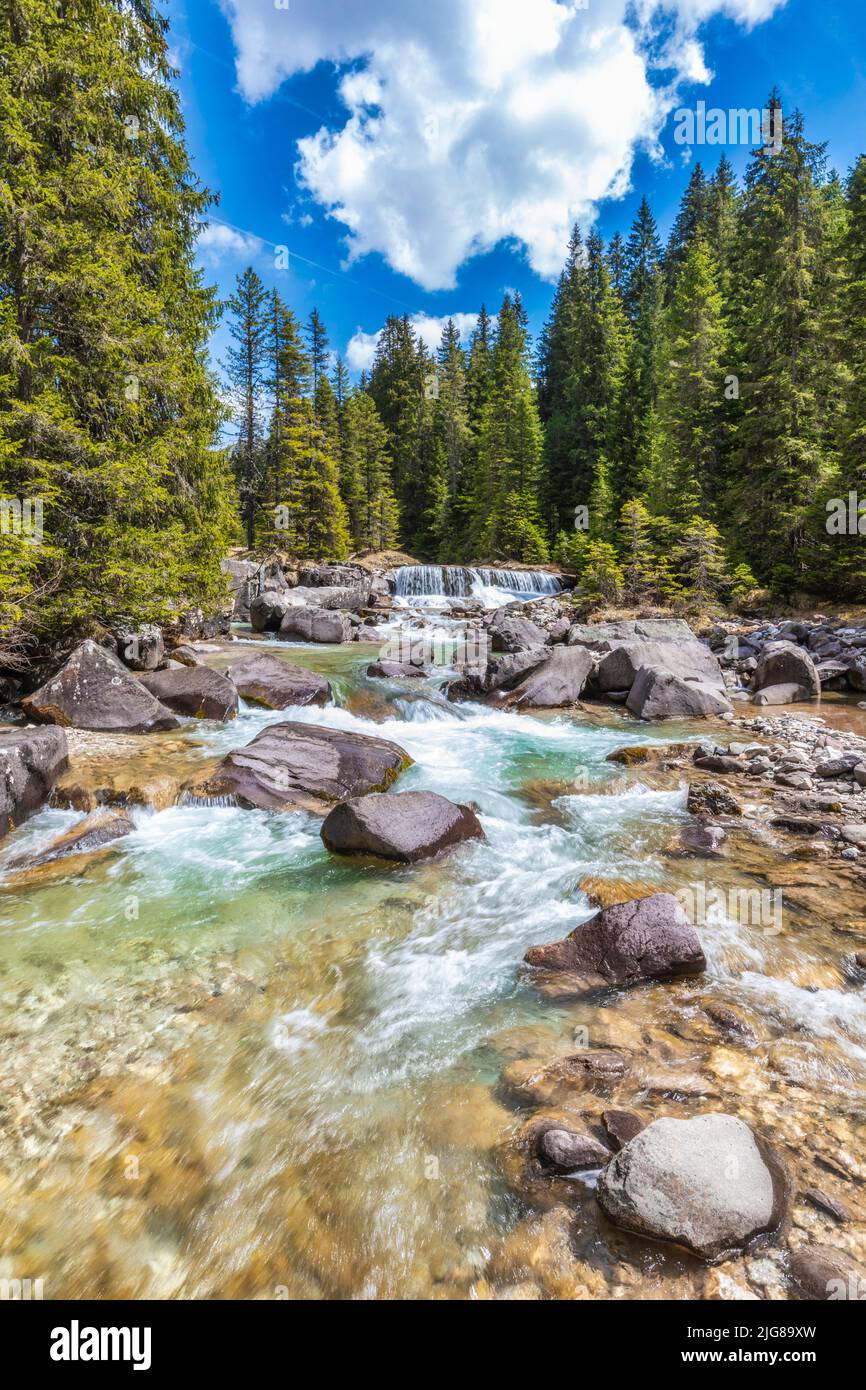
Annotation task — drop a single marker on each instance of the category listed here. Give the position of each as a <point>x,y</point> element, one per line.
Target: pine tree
<point>109,414</point>
<point>639,560</point>
<point>247,369</point>
<point>320,356</point>
<point>643,303</point>
<point>691,387</point>
<point>781,458</point>
<point>851,475</point>
<point>400,386</point>
<point>692,217</point>
<point>373,510</point>
<point>454,442</point>
<point>506,512</point>
<point>701,561</point>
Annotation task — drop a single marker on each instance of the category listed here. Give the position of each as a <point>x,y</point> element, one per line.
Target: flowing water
<point>234,1066</point>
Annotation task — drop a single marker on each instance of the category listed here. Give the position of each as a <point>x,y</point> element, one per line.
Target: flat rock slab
<point>195,691</point>
<point>406,826</point>
<point>266,680</point>
<point>394,670</point>
<point>31,760</point>
<point>644,939</point>
<point>704,1183</point>
<point>302,767</point>
<point>94,690</point>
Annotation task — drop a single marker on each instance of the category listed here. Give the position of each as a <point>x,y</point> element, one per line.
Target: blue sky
<point>454,141</point>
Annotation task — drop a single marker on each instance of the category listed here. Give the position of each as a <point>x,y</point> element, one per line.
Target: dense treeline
<point>115,504</point>
<point>690,412</point>
<point>685,420</point>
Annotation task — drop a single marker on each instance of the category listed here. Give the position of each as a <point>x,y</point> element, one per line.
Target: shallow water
<point>235,1066</point>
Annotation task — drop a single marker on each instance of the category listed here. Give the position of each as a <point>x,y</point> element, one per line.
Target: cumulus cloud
<point>475,122</point>
<point>217,242</point>
<point>362,346</point>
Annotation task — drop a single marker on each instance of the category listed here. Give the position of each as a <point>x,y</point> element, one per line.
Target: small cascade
<point>455,581</point>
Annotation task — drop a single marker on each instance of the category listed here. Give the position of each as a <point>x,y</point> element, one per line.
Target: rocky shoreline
<point>676,1134</point>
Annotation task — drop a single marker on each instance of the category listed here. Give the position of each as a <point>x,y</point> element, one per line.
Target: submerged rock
<point>703,1183</point>
<point>564,1151</point>
<point>195,691</point>
<point>294,766</point>
<point>536,1082</point>
<point>822,1273</point>
<point>90,834</point>
<point>645,939</point>
<point>94,690</point>
<point>266,680</point>
<point>621,1126</point>
<point>406,826</point>
<point>31,760</point>
<point>394,670</point>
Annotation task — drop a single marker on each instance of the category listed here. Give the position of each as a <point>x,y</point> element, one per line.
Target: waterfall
<point>454,581</point>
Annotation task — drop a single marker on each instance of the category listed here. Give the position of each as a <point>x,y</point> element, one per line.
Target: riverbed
<point>236,1066</point>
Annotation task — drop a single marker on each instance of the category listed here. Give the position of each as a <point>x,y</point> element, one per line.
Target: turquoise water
<point>238,1066</point>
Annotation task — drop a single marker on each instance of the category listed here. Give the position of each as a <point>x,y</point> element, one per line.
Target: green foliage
<point>601,577</point>
<point>108,411</point>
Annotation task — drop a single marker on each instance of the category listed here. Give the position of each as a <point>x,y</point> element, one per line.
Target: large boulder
<point>557,682</point>
<point>783,663</point>
<point>95,691</point>
<point>406,826</point>
<point>657,694</point>
<point>644,939</point>
<point>31,760</point>
<point>351,599</point>
<point>394,670</point>
<point>268,609</point>
<point>332,576</point>
<point>315,625</point>
<point>691,661</point>
<point>509,632</point>
<point>195,691</point>
<point>141,648</point>
<point>500,673</point>
<point>296,767</point>
<point>705,1183</point>
<point>266,680</point>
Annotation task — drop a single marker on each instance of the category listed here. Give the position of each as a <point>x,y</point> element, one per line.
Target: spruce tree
<point>780,461</point>
<point>109,414</point>
<point>691,388</point>
<point>643,302</point>
<point>247,371</point>
<point>373,511</point>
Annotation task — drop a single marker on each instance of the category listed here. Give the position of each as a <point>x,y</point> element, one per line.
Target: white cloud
<point>362,346</point>
<point>473,122</point>
<point>217,242</point>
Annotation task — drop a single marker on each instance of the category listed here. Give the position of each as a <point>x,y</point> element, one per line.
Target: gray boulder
<point>332,576</point>
<point>645,939</point>
<point>266,680</point>
<point>268,609</point>
<point>704,1183</point>
<point>406,826</point>
<point>31,760</point>
<point>784,664</point>
<point>195,691</point>
<point>598,635</point>
<point>142,648</point>
<point>94,690</point>
<point>690,660</point>
<point>557,682</point>
<point>315,625</point>
<point>511,633</point>
<point>565,1151</point>
<point>657,694</point>
<point>779,695</point>
<point>294,767</point>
